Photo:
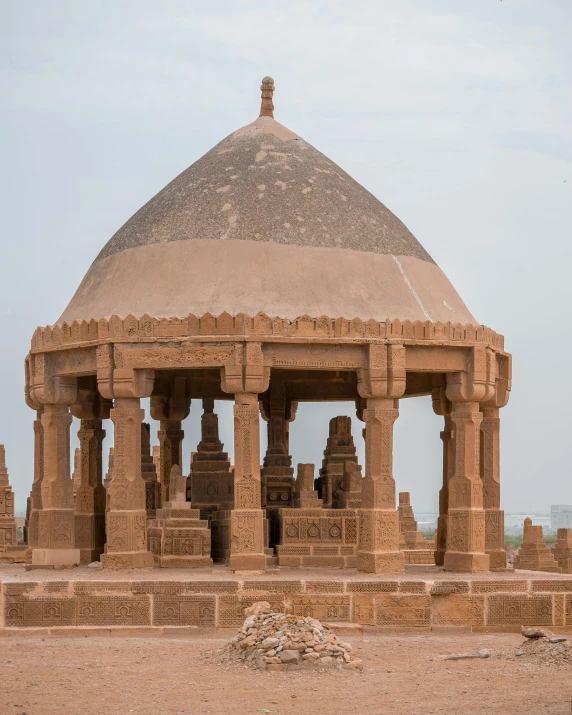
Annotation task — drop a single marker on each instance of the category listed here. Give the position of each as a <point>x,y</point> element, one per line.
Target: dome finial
<point>267,107</point>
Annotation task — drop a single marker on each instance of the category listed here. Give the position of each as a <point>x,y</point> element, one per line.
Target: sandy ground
<point>402,674</point>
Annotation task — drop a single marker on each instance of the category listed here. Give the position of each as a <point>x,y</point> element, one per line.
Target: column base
<point>247,562</point>
<point>127,560</point>
<point>497,558</point>
<point>381,562</point>
<point>55,557</point>
<point>471,562</point>
<point>439,557</point>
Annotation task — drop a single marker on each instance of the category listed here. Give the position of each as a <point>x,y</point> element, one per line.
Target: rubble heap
<point>279,641</point>
<point>541,647</point>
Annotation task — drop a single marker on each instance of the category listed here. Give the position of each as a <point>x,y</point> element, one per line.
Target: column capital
<point>383,375</point>
<point>125,382</point>
<point>248,373</point>
<point>174,403</point>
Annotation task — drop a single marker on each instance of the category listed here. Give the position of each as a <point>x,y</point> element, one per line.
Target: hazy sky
<point>455,113</point>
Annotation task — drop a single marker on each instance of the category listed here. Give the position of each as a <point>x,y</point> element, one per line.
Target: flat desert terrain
<point>403,674</point>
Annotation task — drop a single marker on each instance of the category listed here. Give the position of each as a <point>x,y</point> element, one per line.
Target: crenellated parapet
<point>150,328</point>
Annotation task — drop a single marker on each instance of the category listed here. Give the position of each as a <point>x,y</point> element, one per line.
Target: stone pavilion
<point>264,275</point>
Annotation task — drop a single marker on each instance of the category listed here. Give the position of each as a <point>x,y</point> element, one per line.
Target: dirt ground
<point>402,674</point>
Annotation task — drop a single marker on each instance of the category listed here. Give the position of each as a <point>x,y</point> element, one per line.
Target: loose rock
<point>278,641</point>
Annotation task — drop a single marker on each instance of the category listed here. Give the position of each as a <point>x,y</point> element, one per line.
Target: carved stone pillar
<point>171,446</point>
<point>89,509</point>
<point>466,517</point>
<point>126,526</point>
<point>448,465</point>
<point>36,492</point>
<point>490,473</point>
<point>246,527</point>
<point>56,543</point>
<point>378,547</point>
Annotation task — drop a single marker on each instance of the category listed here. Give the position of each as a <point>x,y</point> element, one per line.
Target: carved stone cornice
<point>151,329</point>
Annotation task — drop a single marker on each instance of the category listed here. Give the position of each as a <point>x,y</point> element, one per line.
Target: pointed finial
<point>267,107</point>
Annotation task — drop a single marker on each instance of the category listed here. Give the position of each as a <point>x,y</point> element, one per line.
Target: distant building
<point>561,516</point>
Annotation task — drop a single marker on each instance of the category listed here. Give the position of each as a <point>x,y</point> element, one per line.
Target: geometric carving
<point>519,610</point>
<point>397,610</point>
<point>113,610</point>
<point>27,611</point>
<point>184,611</point>
<point>459,610</point>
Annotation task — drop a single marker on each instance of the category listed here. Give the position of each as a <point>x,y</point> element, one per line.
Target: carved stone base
<point>247,540</point>
<point>381,562</point>
<point>188,562</point>
<point>55,557</point>
<point>378,545</point>
<point>497,558</point>
<point>127,560</point>
<point>471,562</point>
<point>318,555</point>
<point>247,562</point>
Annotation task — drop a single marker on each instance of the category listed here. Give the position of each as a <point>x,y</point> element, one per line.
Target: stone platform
<point>84,600</point>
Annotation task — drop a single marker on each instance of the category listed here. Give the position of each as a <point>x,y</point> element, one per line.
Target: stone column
<point>36,492</point>
<point>55,537</point>
<point>490,473</point>
<point>126,526</point>
<point>246,519</point>
<point>378,546</point>
<point>89,509</point>
<point>171,446</point>
<point>466,517</point>
<point>448,465</point>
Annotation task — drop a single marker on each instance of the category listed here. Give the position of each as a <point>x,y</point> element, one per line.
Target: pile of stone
<point>281,641</point>
<point>541,647</point>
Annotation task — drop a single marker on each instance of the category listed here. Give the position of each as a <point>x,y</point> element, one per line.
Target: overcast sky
<point>455,113</point>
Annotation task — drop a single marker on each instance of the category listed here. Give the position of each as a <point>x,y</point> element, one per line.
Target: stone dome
<point>264,222</point>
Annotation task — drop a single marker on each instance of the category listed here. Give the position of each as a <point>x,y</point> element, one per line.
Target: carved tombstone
<point>534,555</point>
<point>210,484</point>
<point>410,538</point>
<point>304,495</point>
<point>76,474</point>
<point>8,532</point>
<point>178,536</point>
<point>350,495</point>
<point>563,549</point>
<point>149,472</point>
<point>340,449</point>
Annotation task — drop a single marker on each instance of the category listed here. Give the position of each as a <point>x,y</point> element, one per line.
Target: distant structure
<point>534,554</point>
<point>560,516</point>
<point>8,533</point>
<point>266,276</point>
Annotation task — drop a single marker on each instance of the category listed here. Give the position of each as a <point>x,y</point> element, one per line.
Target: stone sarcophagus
<point>317,537</point>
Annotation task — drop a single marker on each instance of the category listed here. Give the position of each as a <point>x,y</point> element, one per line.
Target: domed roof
<point>265,222</point>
